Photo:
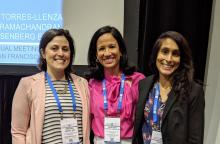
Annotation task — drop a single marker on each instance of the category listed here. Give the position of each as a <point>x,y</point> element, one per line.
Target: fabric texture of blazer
<point>182,121</point>
<point>29,107</point>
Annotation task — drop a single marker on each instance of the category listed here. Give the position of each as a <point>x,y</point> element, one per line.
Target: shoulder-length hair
<point>183,75</point>
<point>46,38</point>
<point>97,70</point>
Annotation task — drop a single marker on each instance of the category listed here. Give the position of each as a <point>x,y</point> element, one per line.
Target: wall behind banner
<point>84,17</point>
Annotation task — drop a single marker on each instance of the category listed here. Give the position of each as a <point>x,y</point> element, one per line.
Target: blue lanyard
<point>56,95</point>
<point>156,93</point>
<point>120,94</point>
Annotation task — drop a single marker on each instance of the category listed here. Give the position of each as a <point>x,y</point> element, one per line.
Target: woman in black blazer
<point>170,108</point>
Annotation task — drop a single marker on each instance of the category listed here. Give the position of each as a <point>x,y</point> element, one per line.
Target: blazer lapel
<point>39,92</point>
<point>78,84</point>
<point>144,88</point>
<point>171,99</point>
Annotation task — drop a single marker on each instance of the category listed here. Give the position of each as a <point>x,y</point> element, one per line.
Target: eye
<point>54,48</point>
<point>112,46</point>
<point>176,53</point>
<point>66,49</point>
<point>100,49</point>
<point>164,51</point>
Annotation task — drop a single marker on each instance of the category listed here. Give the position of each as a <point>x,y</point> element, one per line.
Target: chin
<point>60,68</point>
<point>108,65</point>
<point>166,73</point>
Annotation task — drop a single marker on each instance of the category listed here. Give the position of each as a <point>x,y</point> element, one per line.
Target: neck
<point>56,75</point>
<point>165,82</point>
<point>115,72</point>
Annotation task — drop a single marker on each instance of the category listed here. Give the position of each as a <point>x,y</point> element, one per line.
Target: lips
<point>166,65</point>
<point>60,60</point>
<point>108,60</point>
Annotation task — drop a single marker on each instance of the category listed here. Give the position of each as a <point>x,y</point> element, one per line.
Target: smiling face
<point>57,54</point>
<point>108,52</point>
<point>168,58</point>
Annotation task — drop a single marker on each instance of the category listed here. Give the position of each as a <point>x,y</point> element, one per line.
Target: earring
<point>97,61</point>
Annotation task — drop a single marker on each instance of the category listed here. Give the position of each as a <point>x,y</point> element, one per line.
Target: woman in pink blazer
<point>52,106</point>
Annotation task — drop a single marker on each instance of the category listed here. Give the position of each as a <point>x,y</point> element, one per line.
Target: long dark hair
<point>183,75</point>
<point>97,70</point>
<point>46,38</point>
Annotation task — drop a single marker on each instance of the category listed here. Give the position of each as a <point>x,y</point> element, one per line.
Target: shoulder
<point>196,89</point>
<point>136,76</point>
<point>149,79</point>
<point>197,92</point>
<point>30,79</point>
<point>94,82</point>
<point>146,84</point>
<point>196,86</point>
<point>78,78</point>
<point>28,83</point>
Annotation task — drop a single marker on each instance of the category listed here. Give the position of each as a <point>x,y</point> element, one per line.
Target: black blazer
<point>182,121</point>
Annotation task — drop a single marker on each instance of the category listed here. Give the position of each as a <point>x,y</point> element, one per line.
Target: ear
<point>42,53</point>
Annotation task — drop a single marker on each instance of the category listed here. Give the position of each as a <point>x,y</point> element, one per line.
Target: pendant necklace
<point>64,91</point>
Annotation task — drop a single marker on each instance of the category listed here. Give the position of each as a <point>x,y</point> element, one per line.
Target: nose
<point>60,52</point>
<point>107,52</point>
<point>169,57</point>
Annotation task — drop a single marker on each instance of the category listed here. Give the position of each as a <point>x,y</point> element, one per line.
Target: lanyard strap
<point>56,95</point>
<point>156,93</point>
<point>120,94</point>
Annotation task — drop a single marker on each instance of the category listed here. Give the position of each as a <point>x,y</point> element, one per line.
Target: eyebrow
<point>168,48</point>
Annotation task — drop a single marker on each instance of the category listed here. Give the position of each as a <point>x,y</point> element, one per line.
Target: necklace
<point>63,91</point>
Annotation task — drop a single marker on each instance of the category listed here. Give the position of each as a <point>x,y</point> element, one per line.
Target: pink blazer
<point>29,104</point>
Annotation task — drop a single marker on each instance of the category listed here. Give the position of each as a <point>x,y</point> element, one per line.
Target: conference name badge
<point>156,138</point>
<point>112,129</point>
<point>69,130</point>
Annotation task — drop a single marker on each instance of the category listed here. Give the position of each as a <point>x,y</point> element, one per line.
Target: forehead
<point>107,37</point>
<point>59,40</point>
<point>169,44</point>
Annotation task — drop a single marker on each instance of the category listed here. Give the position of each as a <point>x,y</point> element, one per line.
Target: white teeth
<point>60,60</point>
<point>166,64</point>
<point>109,57</point>
<point>108,60</point>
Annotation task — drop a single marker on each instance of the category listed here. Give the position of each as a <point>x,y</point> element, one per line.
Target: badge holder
<point>112,130</point>
<point>69,130</point>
